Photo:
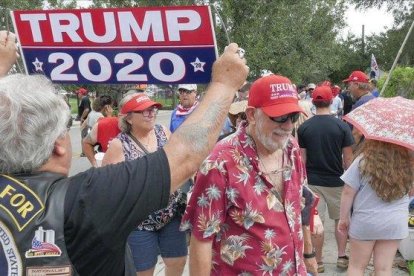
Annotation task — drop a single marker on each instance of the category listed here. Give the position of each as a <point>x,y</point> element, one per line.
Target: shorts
<point>145,246</point>
<point>328,197</point>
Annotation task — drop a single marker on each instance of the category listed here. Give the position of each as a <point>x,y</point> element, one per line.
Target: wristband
<point>310,255</point>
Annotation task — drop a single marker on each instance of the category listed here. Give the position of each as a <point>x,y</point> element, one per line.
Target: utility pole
<point>396,59</point>
<point>363,40</point>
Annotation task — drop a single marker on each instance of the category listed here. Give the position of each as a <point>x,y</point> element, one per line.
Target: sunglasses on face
<point>242,116</point>
<point>294,117</point>
<point>147,112</point>
<point>183,91</point>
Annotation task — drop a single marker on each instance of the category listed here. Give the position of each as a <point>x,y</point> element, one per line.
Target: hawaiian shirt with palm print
<point>253,231</point>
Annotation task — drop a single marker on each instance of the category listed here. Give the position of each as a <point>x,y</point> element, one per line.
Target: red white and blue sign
<point>129,45</point>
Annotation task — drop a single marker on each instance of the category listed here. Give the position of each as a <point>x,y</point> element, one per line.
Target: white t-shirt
<point>93,117</point>
<point>336,105</point>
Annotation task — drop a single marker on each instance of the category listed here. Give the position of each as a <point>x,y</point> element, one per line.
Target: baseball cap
<point>138,103</point>
<point>322,94</point>
<point>335,90</point>
<point>82,91</point>
<point>275,95</point>
<point>311,86</point>
<point>189,87</point>
<point>238,107</point>
<point>357,76</point>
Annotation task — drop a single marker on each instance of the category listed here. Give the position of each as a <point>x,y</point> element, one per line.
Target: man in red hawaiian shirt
<point>249,209</point>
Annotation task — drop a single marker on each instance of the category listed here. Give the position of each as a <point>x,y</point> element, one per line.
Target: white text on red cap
<point>282,90</point>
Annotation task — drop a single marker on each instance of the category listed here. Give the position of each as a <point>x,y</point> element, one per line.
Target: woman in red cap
<point>158,233</point>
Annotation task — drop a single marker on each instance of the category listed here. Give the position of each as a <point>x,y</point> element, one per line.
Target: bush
<point>400,84</point>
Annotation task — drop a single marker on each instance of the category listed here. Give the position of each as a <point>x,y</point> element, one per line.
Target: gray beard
<point>267,141</point>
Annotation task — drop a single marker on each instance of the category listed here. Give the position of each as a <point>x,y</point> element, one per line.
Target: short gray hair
<point>364,86</point>
<point>123,124</point>
<point>32,118</point>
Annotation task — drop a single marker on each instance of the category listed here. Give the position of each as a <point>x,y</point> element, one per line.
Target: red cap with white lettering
<point>275,95</point>
<point>139,102</point>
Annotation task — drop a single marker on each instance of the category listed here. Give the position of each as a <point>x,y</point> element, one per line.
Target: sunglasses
<point>242,116</point>
<point>147,112</point>
<point>183,91</point>
<point>294,117</point>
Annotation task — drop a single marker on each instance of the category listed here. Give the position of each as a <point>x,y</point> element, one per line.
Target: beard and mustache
<point>267,139</point>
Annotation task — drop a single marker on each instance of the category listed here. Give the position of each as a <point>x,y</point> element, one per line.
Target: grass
<point>73,105</point>
<point>167,103</point>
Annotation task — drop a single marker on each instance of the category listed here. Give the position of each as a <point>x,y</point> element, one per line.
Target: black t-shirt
<point>84,104</point>
<point>323,137</point>
<point>103,206</point>
<point>347,102</point>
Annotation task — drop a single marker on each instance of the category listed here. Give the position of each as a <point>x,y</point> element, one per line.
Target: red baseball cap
<point>275,95</point>
<point>82,91</point>
<point>322,94</point>
<point>335,90</point>
<point>357,76</point>
<point>138,103</point>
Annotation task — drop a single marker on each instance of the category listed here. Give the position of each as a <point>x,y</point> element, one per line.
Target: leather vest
<point>32,225</point>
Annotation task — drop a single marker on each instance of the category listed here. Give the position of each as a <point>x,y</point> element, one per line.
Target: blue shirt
<point>364,99</point>
<point>176,120</point>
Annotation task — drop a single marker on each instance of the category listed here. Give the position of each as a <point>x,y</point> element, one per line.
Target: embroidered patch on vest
<point>19,202</point>
<point>43,245</point>
<point>10,261</point>
<point>49,271</point>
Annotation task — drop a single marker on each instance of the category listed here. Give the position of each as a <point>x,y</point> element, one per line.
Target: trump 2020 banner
<point>127,45</point>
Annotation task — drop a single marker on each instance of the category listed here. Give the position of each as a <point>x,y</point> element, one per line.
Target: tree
<point>296,39</point>
<point>378,3</point>
<point>385,46</point>
<point>401,83</point>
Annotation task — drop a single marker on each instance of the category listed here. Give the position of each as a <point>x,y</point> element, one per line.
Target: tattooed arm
<point>194,139</point>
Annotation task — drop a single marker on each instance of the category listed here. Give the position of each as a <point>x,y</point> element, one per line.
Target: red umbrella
<point>386,119</point>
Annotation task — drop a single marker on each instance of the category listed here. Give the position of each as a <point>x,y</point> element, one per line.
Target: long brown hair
<point>388,167</point>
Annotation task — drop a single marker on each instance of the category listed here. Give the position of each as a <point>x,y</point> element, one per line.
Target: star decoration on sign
<point>38,65</point>
<point>198,65</point>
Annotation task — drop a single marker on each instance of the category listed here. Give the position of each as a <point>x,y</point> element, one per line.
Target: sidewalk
<point>329,253</point>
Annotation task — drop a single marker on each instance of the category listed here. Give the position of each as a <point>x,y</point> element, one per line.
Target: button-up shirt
<point>254,230</point>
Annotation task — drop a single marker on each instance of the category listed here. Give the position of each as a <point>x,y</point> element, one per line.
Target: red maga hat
<point>357,76</point>
<point>138,103</point>
<point>322,94</point>
<point>275,95</point>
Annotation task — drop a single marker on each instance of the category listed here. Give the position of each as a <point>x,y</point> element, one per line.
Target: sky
<point>375,21</point>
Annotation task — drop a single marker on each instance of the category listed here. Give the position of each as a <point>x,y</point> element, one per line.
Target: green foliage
<point>378,3</point>
<point>400,84</point>
<point>73,105</point>
<point>411,267</point>
<point>292,38</point>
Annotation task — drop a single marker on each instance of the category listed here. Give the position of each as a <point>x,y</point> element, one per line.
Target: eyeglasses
<point>184,91</point>
<point>294,117</point>
<point>147,112</point>
<point>242,116</point>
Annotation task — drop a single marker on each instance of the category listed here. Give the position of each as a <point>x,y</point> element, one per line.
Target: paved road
<point>81,163</point>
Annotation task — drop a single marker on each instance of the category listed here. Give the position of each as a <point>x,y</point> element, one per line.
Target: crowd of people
<point>244,174</point>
